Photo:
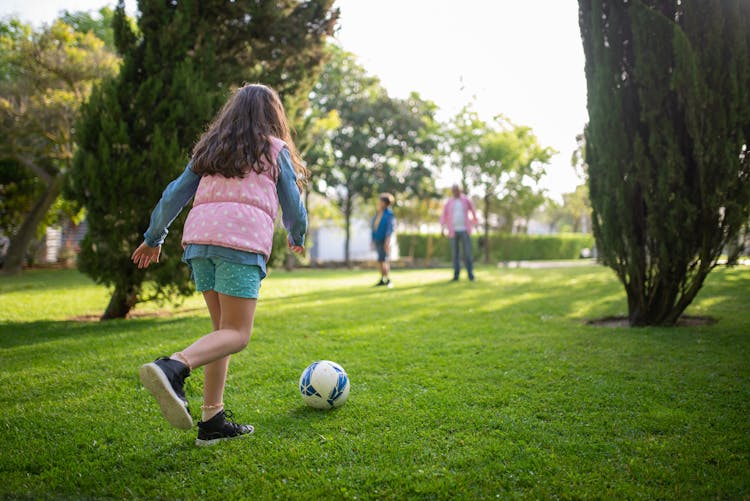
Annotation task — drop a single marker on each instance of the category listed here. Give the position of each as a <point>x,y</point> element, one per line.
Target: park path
<point>575,263</point>
<point>557,263</point>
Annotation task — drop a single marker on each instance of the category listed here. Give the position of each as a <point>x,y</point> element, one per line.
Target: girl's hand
<point>145,255</point>
<point>297,249</point>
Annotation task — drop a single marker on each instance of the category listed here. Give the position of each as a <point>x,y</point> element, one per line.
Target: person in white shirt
<point>458,220</point>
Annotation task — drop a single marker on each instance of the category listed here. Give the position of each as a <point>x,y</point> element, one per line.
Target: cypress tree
<point>137,129</point>
<point>667,142</point>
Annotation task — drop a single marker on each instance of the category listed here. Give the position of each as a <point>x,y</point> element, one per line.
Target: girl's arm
<point>293,213</point>
<point>176,196</point>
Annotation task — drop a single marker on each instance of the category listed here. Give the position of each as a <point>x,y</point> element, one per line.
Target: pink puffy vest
<point>237,213</point>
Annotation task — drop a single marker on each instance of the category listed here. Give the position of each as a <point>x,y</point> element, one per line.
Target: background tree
<point>19,189</point>
<point>522,206</point>
<point>382,143</point>
<point>667,142</point>
<point>314,144</point>
<point>577,204</point>
<point>739,246</point>
<point>577,208</point>
<point>464,132</point>
<point>573,214</point>
<point>137,129</point>
<point>45,75</point>
<point>98,23</point>
<point>509,164</point>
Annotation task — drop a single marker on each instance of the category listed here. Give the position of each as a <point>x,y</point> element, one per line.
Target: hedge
<point>503,247</point>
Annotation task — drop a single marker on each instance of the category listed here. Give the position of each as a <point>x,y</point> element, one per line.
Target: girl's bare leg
<point>214,373</point>
<point>235,328</point>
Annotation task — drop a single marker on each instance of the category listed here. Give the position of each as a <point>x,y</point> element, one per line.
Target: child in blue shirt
<point>382,229</point>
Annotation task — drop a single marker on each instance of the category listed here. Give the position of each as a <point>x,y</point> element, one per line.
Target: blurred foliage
<point>137,129</point>
<point>501,163</point>
<point>45,76</point>
<point>572,215</point>
<point>505,247</point>
<point>19,188</point>
<point>667,144</point>
<point>373,143</point>
<point>415,211</point>
<point>98,23</point>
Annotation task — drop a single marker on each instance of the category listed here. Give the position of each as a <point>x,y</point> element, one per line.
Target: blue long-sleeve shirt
<point>385,226</point>
<point>180,191</point>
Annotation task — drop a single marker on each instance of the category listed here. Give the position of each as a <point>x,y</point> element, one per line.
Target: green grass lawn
<point>459,390</point>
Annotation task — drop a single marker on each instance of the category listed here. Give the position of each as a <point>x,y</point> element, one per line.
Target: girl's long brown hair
<point>239,136</point>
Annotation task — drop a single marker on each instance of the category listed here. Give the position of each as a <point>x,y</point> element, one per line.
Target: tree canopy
<point>502,163</point>
<point>45,76</point>
<point>667,142</point>
<point>380,143</point>
<point>137,129</point>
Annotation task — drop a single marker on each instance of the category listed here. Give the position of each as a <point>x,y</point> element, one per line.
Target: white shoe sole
<point>207,443</point>
<point>172,407</point>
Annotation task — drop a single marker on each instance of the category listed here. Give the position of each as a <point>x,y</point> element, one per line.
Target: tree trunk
<point>347,229</point>
<point>736,246</point>
<point>123,299</point>
<point>654,224</point>
<point>25,234</point>
<point>289,261</point>
<point>487,229</point>
<point>464,180</point>
<point>665,303</point>
<point>576,224</point>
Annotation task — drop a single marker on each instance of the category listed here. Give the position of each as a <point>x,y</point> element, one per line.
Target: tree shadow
<point>15,334</point>
<point>564,295</point>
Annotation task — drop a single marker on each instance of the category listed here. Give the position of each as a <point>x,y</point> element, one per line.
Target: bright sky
<point>523,59</point>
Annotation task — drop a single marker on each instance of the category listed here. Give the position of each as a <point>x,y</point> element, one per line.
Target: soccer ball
<point>324,384</point>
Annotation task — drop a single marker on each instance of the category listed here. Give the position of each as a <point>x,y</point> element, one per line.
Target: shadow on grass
<point>304,412</point>
<point>44,279</point>
<point>585,391</point>
<point>444,297</point>
<point>15,334</point>
<point>571,296</point>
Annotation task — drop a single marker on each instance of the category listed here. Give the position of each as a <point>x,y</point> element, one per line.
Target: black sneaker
<point>388,283</point>
<point>165,379</point>
<point>381,283</point>
<point>219,428</point>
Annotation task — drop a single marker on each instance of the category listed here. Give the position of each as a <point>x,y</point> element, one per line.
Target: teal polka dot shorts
<point>231,279</point>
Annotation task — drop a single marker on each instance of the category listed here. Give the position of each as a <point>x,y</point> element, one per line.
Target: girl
<point>243,167</point>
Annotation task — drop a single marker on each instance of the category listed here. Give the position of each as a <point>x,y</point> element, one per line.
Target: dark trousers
<point>461,242</point>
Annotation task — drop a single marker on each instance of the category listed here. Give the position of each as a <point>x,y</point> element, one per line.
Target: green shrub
<point>280,247</point>
<point>504,247</point>
<point>281,256</point>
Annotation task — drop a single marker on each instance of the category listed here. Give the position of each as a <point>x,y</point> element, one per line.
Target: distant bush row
<point>503,247</point>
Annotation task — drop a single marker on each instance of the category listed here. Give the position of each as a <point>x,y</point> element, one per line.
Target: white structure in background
<point>328,243</point>
<point>61,242</point>
<point>53,242</point>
